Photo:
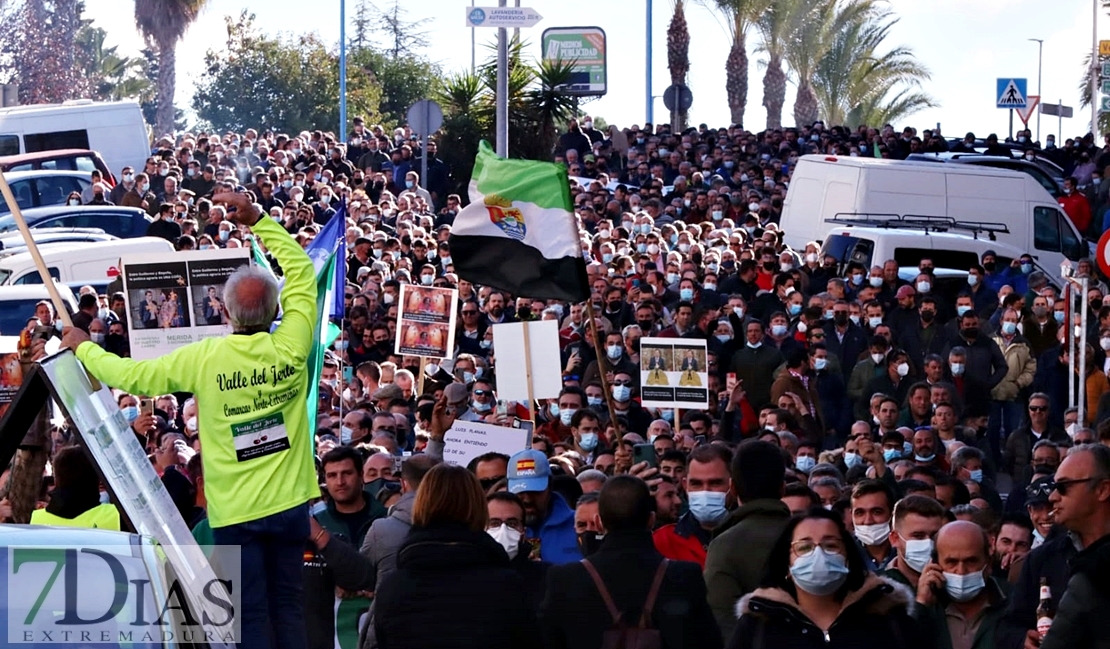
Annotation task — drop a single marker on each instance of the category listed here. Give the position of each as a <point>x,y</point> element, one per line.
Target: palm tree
<point>817,25</point>
<point>163,23</point>
<point>678,50</point>
<point>854,79</point>
<point>738,17</point>
<point>110,77</point>
<point>775,25</point>
<point>548,103</point>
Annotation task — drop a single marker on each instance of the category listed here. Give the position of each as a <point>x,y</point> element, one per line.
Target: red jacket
<point>682,541</point>
<point>1078,209</point>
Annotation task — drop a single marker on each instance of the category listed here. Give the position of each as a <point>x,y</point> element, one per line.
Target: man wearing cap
<point>548,517</point>
<point>903,317</point>
<point>458,402</point>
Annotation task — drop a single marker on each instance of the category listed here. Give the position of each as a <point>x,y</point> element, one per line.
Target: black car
<point>122,222</point>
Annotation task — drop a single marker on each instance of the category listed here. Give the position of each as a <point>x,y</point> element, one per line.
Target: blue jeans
<point>272,587</point>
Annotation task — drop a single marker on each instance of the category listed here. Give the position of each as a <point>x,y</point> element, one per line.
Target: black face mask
<point>840,319</point>
<point>1044,469</point>
<point>589,542</point>
<point>971,333</point>
<point>614,306</point>
<point>646,325</point>
<point>927,316</point>
<point>988,266</point>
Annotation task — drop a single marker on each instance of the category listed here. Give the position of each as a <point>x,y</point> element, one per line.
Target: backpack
<point>620,635</point>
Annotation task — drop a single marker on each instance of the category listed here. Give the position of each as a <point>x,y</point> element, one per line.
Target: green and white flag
<point>519,233</point>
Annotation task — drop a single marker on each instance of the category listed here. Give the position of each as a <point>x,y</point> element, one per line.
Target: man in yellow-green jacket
<point>251,390</point>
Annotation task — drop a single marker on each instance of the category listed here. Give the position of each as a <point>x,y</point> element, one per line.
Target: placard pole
<point>528,371</point>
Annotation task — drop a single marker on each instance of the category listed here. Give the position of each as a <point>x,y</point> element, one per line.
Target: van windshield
<point>845,248</point>
<point>4,275</point>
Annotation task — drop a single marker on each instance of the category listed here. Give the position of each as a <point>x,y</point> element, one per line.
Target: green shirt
<point>251,393</point>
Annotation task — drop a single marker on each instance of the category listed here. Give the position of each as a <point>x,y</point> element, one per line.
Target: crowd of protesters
<point>879,464</point>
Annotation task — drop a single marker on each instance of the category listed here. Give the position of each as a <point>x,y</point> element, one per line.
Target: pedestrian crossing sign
<point>1012,93</point>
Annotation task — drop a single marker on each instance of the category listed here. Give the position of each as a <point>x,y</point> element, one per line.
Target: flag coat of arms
<point>519,233</point>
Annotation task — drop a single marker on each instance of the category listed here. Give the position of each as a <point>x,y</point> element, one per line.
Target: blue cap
<point>529,471</point>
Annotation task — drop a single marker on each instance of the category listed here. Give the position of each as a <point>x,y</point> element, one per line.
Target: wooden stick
<point>528,371</point>
<point>44,273</point>
<point>418,384</point>
<point>608,392</point>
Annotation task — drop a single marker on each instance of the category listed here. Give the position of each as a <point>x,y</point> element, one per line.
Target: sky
<point>966,44</point>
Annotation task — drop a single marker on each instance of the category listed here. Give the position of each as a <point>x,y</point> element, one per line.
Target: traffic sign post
<point>1011,93</point>
<point>1104,48</point>
<point>425,117</point>
<point>677,98</point>
<point>1060,111</point>
<point>1102,251</point>
<point>1104,105</point>
<point>502,18</point>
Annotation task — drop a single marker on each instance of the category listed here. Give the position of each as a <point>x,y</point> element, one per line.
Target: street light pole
<point>1094,71</point>
<point>650,102</point>
<point>502,95</point>
<point>1040,60</point>
<point>342,135</point>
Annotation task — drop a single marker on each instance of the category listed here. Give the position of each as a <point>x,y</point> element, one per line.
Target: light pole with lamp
<point>1040,61</point>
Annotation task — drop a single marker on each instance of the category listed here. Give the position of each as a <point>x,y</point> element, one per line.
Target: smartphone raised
<point>348,374</point>
<point>643,453</point>
<point>146,406</point>
<point>730,381</point>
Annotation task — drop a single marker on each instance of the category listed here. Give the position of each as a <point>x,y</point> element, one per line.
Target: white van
<point>1000,205</point>
<point>77,262</point>
<point>114,129</point>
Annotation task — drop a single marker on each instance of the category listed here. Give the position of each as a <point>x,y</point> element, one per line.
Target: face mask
<point>613,352</point>
<point>485,344</point>
<point>819,573</point>
<point>622,393</point>
<point>852,460</point>
<point>346,433</point>
<point>469,377</point>
<point>891,454</point>
<point>925,458</point>
<point>1010,328</point>
<point>481,407</point>
<point>873,534</point>
<point>672,278</point>
<point>855,319</point>
<point>739,311</point>
<point>565,415</point>
<point>755,345</point>
<point>877,358</point>
<point>923,287</point>
<point>805,463</point>
<point>857,279</point>
<point>778,331</point>
<point>710,287</point>
<point>753,207</point>
<point>589,542</point>
<point>1059,315</point>
<point>811,258</point>
<point>971,333</point>
<point>820,363</point>
<point>653,249</point>
<point>724,338</point>
<point>976,476</point>
<point>903,369</point>
<point>957,369</point>
<point>708,507</point>
<point>874,322</point>
<point>963,588</point>
<point>1026,268</point>
<point>130,413</point>
<point>588,441</point>
<point>508,538</point>
<point>717,215</point>
<point>686,294</point>
<point>341,345</point>
<point>427,280</point>
<point>142,188</point>
<point>128,177</point>
<point>919,552</point>
<point>594,402</point>
<point>97,338</point>
<point>875,282</point>
<point>684,248</point>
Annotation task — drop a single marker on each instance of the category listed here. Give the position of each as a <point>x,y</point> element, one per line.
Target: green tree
<point>857,83</point>
<point>464,126</point>
<point>817,26</point>
<point>110,77</point>
<point>284,83</point>
<point>404,80</point>
<point>163,23</point>
<point>362,25</point>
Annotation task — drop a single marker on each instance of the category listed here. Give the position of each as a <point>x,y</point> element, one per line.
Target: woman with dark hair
<point>454,585</point>
<point>817,592</point>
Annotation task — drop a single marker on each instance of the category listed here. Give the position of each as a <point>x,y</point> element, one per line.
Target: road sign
<point>425,117</point>
<point>1056,110</point>
<point>678,95</point>
<point>1030,107</point>
<point>1101,252</point>
<point>1104,105</point>
<point>1105,88</point>
<point>506,17</point>
<point>584,48</point>
<point>1104,48</point>
<point>1011,93</point>
<point>1105,69</point>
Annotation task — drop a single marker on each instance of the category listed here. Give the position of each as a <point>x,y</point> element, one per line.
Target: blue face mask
<point>819,573</point>
<point>552,409</point>
<point>668,416</point>
<point>341,345</point>
<point>891,454</point>
<point>588,441</point>
<point>805,463</point>
<point>963,588</point>
<point>566,415</point>
<point>1059,315</point>
<point>778,330</point>
<point>976,476</point>
<point>852,460</point>
<point>686,294</point>
<point>925,458</point>
<point>485,344</point>
<point>481,407</point>
<point>468,377</point>
<point>708,507</point>
<point>130,413</point>
<point>409,184</point>
<point>594,401</point>
<point>795,309</point>
<point>606,257</point>
<point>622,393</point>
<point>962,309</point>
<point>1026,269</point>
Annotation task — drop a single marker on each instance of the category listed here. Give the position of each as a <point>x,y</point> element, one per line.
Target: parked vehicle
<point>1046,172</point>
<point>44,188</point>
<point>1012,205</point>
<point>122,222</point>
<point>17,305</point>
<point>77,262</point>
<point>12,242</point>
<point>115,129</point>
<point>59,160</point>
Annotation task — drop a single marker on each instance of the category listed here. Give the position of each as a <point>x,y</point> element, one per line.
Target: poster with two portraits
<point>674,373</point>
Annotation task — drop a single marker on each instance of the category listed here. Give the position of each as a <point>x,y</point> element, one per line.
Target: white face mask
<point>508,537</point>
<point>873,534</point>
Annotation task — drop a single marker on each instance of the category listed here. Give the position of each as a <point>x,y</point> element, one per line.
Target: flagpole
<point>604,381</point>
<point>528,371</point>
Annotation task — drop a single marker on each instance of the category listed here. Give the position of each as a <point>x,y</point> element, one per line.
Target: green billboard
<point>585,48</point>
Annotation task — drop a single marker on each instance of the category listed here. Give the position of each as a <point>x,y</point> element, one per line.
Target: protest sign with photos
<point>176,300</point>
<point>426,321</point>
<point>673,373</point>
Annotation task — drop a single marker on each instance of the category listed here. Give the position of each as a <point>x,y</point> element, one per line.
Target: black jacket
<point>849,350</point>
<point>1081,619</point>
<point>875,615</point>
<point>453,588</point>
<point>573,614</point>
<point>913,342</point>
<point>985,363</point>
<point>1049,560</point>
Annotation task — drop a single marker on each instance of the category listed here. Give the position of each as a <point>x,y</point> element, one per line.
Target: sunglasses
<point>1038,408</point>
<point>481,393</point>
<point>1063,485</point>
